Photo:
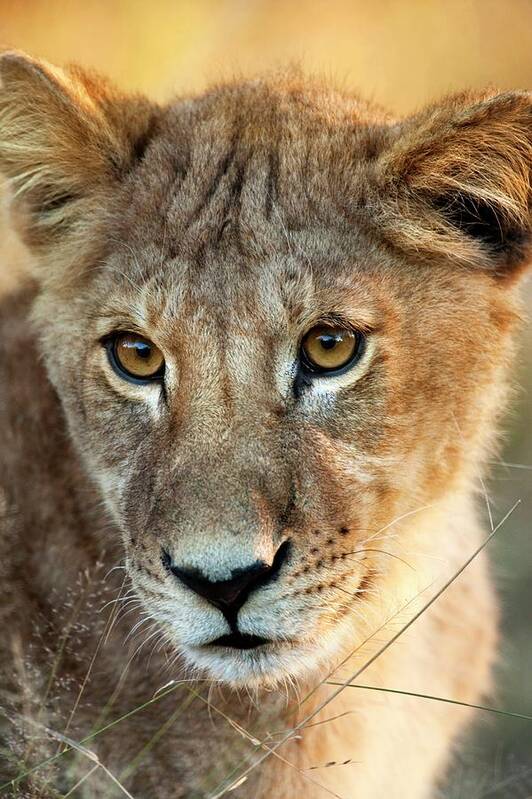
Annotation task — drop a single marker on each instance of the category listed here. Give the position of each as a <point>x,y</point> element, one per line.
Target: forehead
<point>284,289</point>
<point>238,170</point>
<point>245,201</point>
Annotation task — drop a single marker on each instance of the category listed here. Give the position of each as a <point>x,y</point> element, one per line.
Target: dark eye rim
<point>110,343</point>
<point>312,370</point>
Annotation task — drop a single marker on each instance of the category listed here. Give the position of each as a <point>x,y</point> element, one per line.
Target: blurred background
<point>401,53</point>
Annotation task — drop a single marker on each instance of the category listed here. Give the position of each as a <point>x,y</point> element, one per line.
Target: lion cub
<point>246,398</point>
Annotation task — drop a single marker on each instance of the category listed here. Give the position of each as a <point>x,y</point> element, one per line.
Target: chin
<point>269,665</point>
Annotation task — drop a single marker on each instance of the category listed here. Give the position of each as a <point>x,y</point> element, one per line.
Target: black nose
<point>230,595</point>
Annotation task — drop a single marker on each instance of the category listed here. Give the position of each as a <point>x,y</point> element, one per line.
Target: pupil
<point>143,351</point>
<point>328,342</point>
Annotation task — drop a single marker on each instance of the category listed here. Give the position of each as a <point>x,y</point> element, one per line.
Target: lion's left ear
<point>65,137</point>
<point>456,181</point>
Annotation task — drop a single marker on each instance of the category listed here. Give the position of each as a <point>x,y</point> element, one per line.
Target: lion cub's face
<point>272,347</point>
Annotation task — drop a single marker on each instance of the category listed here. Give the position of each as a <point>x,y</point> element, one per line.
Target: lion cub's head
<point>277,322</point>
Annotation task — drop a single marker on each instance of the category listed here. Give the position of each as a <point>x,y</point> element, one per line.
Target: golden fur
<point>222,227</point>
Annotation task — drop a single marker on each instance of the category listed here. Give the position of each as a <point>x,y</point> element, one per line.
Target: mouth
<point>245,660</point>
<point>238,640</point>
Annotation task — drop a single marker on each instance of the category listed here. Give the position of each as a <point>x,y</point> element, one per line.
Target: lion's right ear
<point>65,138</point>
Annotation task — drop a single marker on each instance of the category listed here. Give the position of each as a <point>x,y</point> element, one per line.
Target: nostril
<point>229,595</point>
<point>279,559</point>
<point>166,560</point>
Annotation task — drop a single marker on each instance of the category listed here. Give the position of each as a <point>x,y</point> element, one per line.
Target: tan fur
<point>223,227</point>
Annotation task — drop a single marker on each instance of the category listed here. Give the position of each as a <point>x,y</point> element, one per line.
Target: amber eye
<point>326,348</point>
<point>135,358</point>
